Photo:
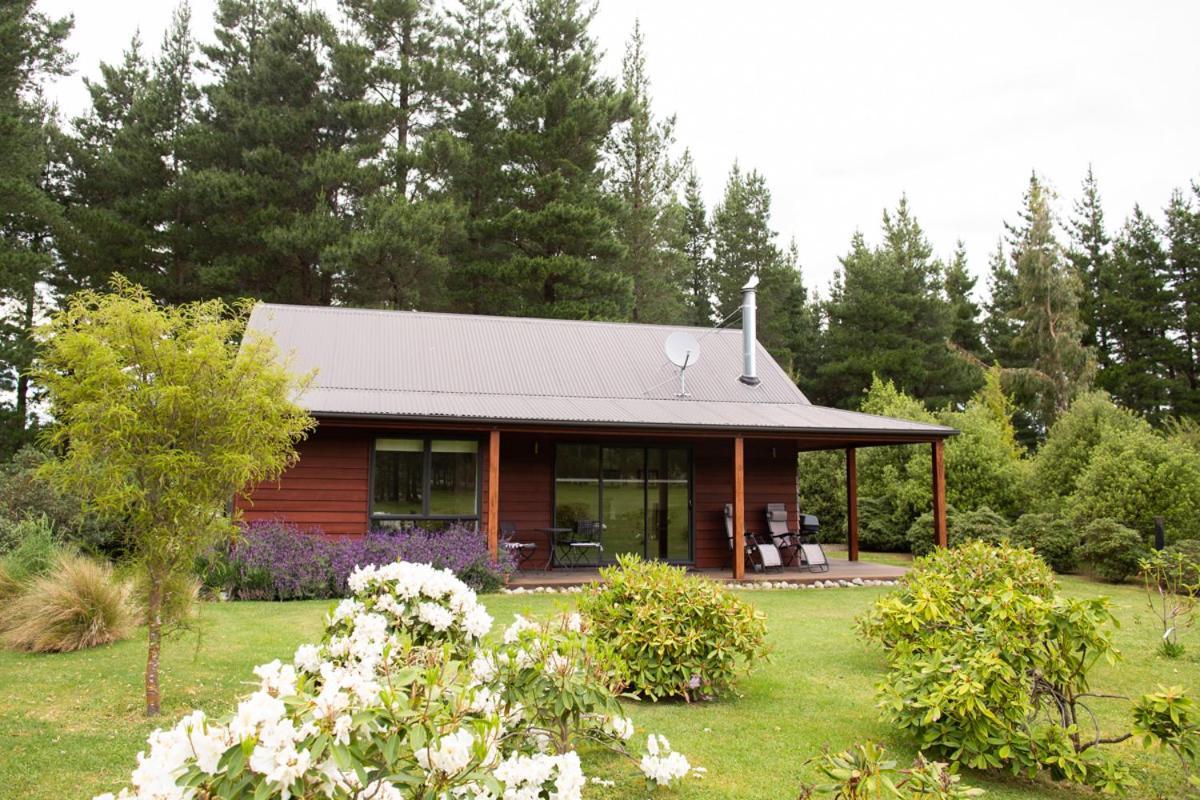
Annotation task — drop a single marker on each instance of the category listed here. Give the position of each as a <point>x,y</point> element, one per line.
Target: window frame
<point>426,479</point>
<point>691,478</point>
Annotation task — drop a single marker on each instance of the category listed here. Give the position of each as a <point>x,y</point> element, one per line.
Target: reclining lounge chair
<point>761,553</point>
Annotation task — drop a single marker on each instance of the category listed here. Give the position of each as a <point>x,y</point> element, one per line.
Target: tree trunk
<point>154,626</point>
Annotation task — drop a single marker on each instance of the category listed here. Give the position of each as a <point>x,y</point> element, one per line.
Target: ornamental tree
<point>163,414</point>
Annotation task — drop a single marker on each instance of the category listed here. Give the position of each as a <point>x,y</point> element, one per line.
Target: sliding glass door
<point>640,498</point>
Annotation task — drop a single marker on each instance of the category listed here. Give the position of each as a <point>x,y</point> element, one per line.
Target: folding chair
<point>761,553</point>
<point>783,537</point>
<point>575,545</point>
<point>521,551</point>
<point>812,555</point>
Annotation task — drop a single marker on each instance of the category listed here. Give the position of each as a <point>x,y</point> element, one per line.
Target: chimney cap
<point>752,283</point>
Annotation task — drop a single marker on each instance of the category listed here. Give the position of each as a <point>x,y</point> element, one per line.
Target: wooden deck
<point>839,570</point>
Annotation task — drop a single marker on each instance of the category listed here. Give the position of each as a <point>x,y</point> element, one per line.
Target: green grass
<point>70,724</point>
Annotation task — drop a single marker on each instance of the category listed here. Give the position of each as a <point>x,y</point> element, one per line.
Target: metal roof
<point>408,364</point>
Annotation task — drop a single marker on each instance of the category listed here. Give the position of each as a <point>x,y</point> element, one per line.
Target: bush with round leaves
<point>980,525</point>
<point>1112,551</point>
<point>979,648</point>
<point>1051,537</point>
<point>677,635</point>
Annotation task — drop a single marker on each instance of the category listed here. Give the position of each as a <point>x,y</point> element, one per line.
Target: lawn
<point>71,724</point>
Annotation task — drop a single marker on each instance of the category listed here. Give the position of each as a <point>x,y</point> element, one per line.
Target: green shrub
<point>1051,537</point>
<point>1135,476</point>
<point>978,648</point>
<point>864,772</point>
<point>181,594</point>
<point>1111,550</point>
<point>881,528</point>
<point>980,525</point>
<point>678,635</point>
<point>36,548</point>
<point>1170,596</point>
<point>1190,550</point>
<point>78,604</point>
<point>821,489</point>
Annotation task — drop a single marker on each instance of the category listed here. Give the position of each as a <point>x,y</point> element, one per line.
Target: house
<point>427,418</point>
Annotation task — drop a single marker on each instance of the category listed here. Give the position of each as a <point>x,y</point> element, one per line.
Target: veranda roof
<point>433,366</point>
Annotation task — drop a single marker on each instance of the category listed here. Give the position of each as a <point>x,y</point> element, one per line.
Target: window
<point>425,479</point>
<point>640,496</point>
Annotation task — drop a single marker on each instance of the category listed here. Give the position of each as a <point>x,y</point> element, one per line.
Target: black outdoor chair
<point>573,547</point>
<point>761,553</point>
<point>521,551</point>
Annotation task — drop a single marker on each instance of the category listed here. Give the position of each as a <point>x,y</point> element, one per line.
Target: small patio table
<point>552,535</point>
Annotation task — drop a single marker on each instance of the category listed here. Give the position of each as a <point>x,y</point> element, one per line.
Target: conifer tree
<point>697,246</point>
<point>1183,265</point>
<point>556,221</point>
<point>645,178</point>
<point>966,330</point>
<point>1090,254</point>
<point>887,316</point>
<point>743,245</point>
<point>1140,371</point>
<point>480,81</point>
<point>31,217</point>
<point>999,327</point>
<point>1052,365</point>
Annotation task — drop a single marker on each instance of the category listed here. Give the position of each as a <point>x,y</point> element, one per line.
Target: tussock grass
<point>76,605</point>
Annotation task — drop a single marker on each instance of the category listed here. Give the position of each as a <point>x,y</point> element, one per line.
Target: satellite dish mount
<point>683,351</point>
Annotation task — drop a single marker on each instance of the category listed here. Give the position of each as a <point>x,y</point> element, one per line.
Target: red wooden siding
<point>327,489</point>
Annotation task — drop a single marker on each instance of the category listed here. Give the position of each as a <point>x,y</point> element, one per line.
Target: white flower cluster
<point>662,765</point>
<point>292,737</point>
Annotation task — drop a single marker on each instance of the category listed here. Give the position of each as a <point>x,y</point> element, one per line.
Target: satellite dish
<point>683,351</point>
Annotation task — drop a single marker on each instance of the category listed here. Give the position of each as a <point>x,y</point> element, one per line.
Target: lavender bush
<point>276,561</point>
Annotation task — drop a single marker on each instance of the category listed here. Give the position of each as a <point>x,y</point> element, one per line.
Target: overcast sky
<point>843,106</point>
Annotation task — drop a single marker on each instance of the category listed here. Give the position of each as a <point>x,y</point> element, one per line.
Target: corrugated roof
<point>429,365</point>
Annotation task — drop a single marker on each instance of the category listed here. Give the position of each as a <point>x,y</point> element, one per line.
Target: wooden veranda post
<point>493,494</point>
<point>852,503</point>
<point>939,494</point>
<point>739,509</point>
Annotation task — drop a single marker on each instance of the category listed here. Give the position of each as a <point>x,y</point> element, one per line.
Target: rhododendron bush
<point>401,699</point>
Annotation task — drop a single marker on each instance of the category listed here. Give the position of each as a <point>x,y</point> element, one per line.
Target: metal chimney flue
<point>749,332</point>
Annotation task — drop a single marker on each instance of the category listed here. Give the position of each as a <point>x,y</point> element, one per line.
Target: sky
<point>844,106</point>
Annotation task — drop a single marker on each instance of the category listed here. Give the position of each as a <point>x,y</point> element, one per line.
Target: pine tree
<point>999,327</point>
<point>1090,254</point>
<point>744,245</point>
<point>1053,365</point>
<point>887,316</point>
<point>480,81</point>
<point>1139,374</point>
<point>31,217</point>
<point>966,330</point>
<point>555,219</point>
<point>128,160</point>
<point>697,248</point>
<point>277,164</point>
<point>1183,264</point>
<point>645,178</point>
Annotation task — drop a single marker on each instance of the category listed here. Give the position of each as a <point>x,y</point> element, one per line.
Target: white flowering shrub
<point>401,700</point>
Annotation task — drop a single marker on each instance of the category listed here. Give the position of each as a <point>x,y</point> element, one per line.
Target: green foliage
<point>76,605</point>
<point>180,598</point>
<point>978,646</point>
<point>1171,595</point>
<point>1111,550</point>
<point>864,772</point>
<point>821,489</point>
<point>1070,443</point>
<point>1135,476</point>
<point>1052,538</point>
<point>33,548</point>
<point>980,525</point>
<point>1169,718</point>
<point>1190,550</point>
<point>678,635</point>
<point>162,417</point>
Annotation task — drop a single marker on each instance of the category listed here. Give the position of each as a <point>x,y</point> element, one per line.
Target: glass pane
<point>453,468</point>
<point>399,476</point>
<point>667,480</point>
<point>576,485</point>
<point>624,501</point>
